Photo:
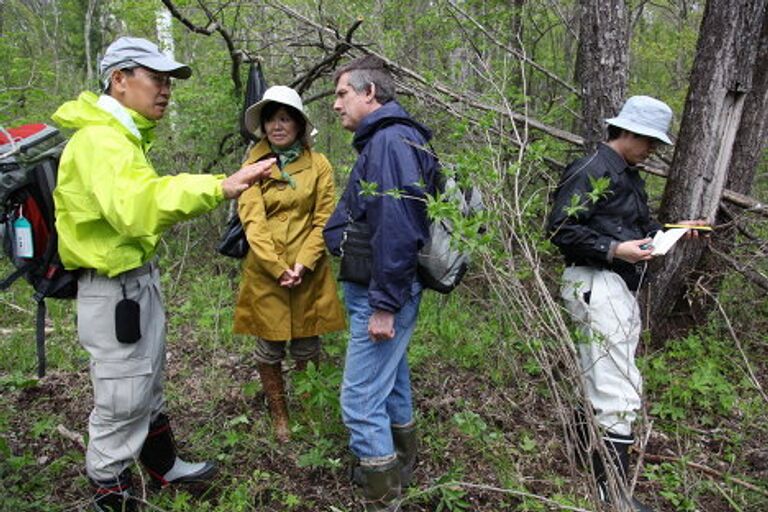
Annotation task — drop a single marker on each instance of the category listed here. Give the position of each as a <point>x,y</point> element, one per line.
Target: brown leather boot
<point>272,382</point>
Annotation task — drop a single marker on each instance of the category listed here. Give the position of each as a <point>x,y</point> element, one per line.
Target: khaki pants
<point>610,320</point>
<point>127,378</point>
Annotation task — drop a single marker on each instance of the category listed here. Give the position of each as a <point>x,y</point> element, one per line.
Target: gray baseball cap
<point>129,52</point>
<point>644,115</point>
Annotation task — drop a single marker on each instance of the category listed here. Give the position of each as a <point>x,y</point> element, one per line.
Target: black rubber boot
<point>618,449</point>
<point>114,495</point>
<point>381,486</point>
<point>581,440</point>
<point>158,455</point>
<point>406,443</point>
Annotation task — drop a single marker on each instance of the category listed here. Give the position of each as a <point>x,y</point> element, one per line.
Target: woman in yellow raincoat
<point>287,293</point>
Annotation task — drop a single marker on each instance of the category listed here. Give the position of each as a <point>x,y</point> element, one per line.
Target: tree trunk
<point>164,27</point>
<point>748,149</point>
<point>753,131</point>
<point>516,24</point>
<point>602,63</point>
<point>714,112</point>
<point>87,39</point>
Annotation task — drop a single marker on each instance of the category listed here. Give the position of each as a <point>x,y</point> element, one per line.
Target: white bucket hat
<point>283,95</point>
<point>644,115</point>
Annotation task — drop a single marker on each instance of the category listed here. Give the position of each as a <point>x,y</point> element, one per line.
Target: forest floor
<point>491,436</point>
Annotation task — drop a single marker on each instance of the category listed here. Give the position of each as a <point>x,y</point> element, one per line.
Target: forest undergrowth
<point>493,397</point>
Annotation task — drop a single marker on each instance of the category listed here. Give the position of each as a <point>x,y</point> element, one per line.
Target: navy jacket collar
<point>389,113</point>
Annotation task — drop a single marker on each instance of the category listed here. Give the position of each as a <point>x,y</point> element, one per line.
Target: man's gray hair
<point>368,70</point>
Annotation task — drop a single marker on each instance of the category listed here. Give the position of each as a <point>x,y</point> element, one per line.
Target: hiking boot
<point>158,455</point>
<point>406,445</point>
<point>618,449</point>
<point>381,485</point>
<point>628,503</point>
<point>580,437</point>
<point>274,387</point>
<point>114,495</point>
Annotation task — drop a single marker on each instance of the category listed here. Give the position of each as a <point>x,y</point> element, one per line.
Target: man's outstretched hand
<point>237,183</point>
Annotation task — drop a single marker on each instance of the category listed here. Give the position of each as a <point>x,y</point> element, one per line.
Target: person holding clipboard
<point>606,243</point>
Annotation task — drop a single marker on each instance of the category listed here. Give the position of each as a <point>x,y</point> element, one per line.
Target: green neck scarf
<point>284,157</point>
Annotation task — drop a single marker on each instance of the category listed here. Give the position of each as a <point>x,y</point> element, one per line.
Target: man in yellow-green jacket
<point>111,208</point>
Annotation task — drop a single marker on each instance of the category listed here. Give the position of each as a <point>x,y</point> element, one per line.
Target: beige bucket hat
<point>283,95</point>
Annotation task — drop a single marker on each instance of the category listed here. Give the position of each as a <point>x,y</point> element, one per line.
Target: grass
<point>490,438</point>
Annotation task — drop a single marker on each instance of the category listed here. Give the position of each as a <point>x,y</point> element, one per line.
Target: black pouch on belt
<point>356,253</point>
<point>127,319</point>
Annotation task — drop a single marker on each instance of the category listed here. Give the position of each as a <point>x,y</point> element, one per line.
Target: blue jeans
<point>376,391</point>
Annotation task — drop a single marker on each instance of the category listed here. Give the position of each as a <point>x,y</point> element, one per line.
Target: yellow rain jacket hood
<point>111,205</point>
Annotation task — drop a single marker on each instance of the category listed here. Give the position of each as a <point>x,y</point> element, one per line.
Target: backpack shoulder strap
<point>15,275</point>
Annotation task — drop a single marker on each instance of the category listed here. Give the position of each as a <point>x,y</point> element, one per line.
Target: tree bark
<point>753,130</point>
<point>87,39</point>
<point>748,149</point>
<point>602,63</point>
<point>721,81</point>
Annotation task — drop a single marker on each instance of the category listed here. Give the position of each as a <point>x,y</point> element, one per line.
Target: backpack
<point>233,242</point>
<point>29,160</point>
<point>442,264</point>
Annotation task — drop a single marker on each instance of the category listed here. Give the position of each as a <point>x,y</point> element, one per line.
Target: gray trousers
<point>127,378</point>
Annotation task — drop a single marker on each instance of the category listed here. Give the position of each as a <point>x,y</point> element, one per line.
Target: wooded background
<point>513,90</point>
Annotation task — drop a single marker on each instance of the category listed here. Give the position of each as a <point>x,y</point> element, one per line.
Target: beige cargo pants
<point>608,315</point>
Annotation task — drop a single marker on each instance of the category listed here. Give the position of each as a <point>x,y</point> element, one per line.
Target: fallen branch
<point>459,97</point>
<point>7,332</point>
<point>706,469</point>
<point>490,488</point>
<point>735,198</point>
<point>749,273</point>
<point>16,307</point>
<point>72,436</point>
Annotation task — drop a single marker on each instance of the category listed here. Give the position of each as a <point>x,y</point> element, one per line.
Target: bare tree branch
<point>303,83</point>
<point>213,26</point>
<point>417,85</point>
<point>747,271</point>
<point>518,54</point>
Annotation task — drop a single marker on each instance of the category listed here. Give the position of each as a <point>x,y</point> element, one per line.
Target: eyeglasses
<point>159,79</point>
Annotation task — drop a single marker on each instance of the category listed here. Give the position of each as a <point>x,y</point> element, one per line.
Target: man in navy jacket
<point>376,391</point>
